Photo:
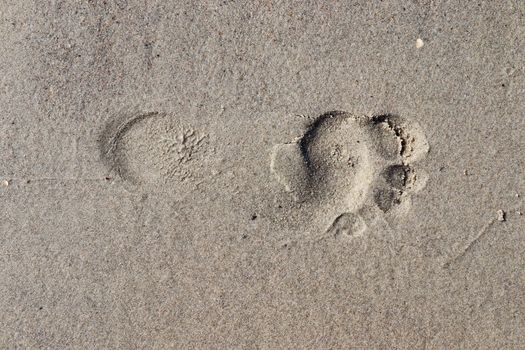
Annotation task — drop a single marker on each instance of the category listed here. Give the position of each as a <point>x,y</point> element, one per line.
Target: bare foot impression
<point>156,151</point>
<point>347,170</point>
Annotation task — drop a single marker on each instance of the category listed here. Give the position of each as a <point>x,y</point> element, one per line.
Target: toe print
<point>347,225</point>
<point>344,166</point>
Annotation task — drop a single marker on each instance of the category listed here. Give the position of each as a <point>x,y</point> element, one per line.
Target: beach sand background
<point>235,175</point>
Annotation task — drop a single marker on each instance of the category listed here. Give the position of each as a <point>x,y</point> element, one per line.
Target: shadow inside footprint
<point>329,163</point>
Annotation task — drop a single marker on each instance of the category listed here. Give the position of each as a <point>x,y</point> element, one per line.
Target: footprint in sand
<point>156,151</point>
<point>347,170</point>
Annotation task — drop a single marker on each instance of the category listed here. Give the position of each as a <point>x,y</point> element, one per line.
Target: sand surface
<point>262,175</point>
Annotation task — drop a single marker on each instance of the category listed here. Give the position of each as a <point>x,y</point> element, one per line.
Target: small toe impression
<point>397,175</point>
<point>411,143</point>
<point>347,225</point>
<point>387,198</point>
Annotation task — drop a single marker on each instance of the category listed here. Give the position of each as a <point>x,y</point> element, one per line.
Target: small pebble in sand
<point>419,43</point>
<point>518,212</point>
<point>501,215</point>
<point>5,183</point>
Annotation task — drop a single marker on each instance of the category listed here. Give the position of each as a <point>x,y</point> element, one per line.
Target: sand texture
<point>262,175</point>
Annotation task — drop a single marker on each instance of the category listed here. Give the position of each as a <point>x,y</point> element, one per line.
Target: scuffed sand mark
<point>179,147</point>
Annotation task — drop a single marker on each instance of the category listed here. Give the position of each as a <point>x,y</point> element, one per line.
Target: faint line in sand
<point>460,257</point>
<point>502,216</point>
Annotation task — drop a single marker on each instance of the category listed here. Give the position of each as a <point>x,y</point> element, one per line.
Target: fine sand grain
<point>262,175</point>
